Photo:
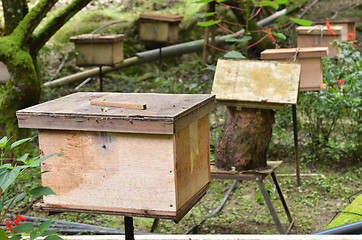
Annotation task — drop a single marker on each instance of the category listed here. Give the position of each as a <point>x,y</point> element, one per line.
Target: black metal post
<point>295,130</point>
<point>100,79</point>
<point>128,228</point>
<point>159,62</point>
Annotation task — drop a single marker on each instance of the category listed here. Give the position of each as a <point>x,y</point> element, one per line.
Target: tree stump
<point>244,141</point>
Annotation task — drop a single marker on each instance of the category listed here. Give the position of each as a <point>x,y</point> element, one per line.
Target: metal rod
<point>100,79</point>
<point>159,62</point>
<point>295,130</point>
<point>282,197</point>
<point>270,206</point>
<point>128,228</point>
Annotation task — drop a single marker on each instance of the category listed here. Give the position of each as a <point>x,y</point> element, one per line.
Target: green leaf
<point>53,237</point>
<point>24,228</point>
<point>244,39</point>
<point>19,142</point>
<point>211,67</point>
<point>208,23</point>
<point>281,2</point>
<point>15,237</point>
<point>2,234</point>
<point>268,3</point>
<point>208,14</point>
<point>234,54</point>
<point>280,35</point>
<point>18,198</point>
<point>45,225</point>
<point>8,177</point>
<point>7,165</point>
<point>42,191</point>
<point>203,1</point>
<point>23,158</point>
<point>37,162</point>
<point>301,21</point>
<point>46,233</point>
<point>3,142</point>
<point>34,235</point>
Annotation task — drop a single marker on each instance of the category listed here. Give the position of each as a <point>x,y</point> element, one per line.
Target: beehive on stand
<point>319,36</point>
<point>98,50</point>
<point>311,76</point>
<point>256,84</point>
<point>159,27</point>
<point>4,73</point>
<point>348,26</point>
<point>124,153</point>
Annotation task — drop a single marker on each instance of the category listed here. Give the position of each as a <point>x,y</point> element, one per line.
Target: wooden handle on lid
<point>118,104</point>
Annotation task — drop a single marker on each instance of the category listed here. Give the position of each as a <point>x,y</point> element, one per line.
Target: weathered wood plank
<point>160,17</point>
<point>262,82</point>
<point>139,106</point>
<point>161,116</point>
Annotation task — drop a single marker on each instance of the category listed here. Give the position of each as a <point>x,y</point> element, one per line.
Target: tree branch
<point>55,24</point>
<point>26,27</point>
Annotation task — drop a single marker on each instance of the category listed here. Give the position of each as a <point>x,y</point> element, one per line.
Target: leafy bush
<point>13,179</point>
<point>332,117</point>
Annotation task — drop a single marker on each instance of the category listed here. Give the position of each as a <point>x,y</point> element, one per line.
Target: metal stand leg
<point>128,227</point>
<point>100,79</point>
<point>159,62</point>
<point>156,221</point>
<point>270,206</point>
<point>295,130</point>
<point>291,220</point>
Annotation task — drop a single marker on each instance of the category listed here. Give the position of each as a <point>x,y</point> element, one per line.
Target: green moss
<point>347,216</point>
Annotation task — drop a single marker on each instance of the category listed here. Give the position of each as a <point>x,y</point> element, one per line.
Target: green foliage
<point>13,179</point>
<point>332,117</point>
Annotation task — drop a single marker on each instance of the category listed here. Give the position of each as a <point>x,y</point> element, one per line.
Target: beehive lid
<point>286,53</point>
<point>161,17</point>
<point>316,30</point>
<point>259,84</point>
<point>164,113</point>
<point>336,21</point>
<point>97,38</point>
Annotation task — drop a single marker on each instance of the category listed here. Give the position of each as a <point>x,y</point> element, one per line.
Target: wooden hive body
<point>149,163</point>
<point>256,84</point>
<point>311,76</point>
<point>314,36</point>
<point>4,73</point>
<point>98,50</point>
<point>159,28</point>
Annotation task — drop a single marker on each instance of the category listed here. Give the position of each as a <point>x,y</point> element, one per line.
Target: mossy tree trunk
<point>19,50</point>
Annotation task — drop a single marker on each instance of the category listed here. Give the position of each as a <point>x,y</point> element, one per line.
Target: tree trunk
<point>244,141</point>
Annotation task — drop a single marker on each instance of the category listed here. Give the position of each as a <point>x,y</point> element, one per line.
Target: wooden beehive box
<point>4,73</point>
<point>314,36</point>
<point>311,76</point>
<point>98,50</point>
<point>348,26</point>
<point>150,163</point>
<point>256,84</point>
<point>159,27</point>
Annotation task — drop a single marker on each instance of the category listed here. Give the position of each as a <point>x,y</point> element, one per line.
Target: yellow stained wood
<point>256,81</point>
<point>118,104</point>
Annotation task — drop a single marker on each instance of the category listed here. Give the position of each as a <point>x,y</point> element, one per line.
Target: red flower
<point>22,218</point>
<point>350,36</point>
<point>330,29</point>
<point>16,223</point>
<point>7,223</point>
<point>340,81</point>
<point>10,226</point>
<point>270,35</point>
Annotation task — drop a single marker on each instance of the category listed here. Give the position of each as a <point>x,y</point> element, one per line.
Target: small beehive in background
<point>98,50</point>
<point>319,36</point>
<point>256,84</point>
<point>348,26</point>
<point>159,27</point>
<point>133,154</point>
<point>4,73</point>
<point>311,76</point>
